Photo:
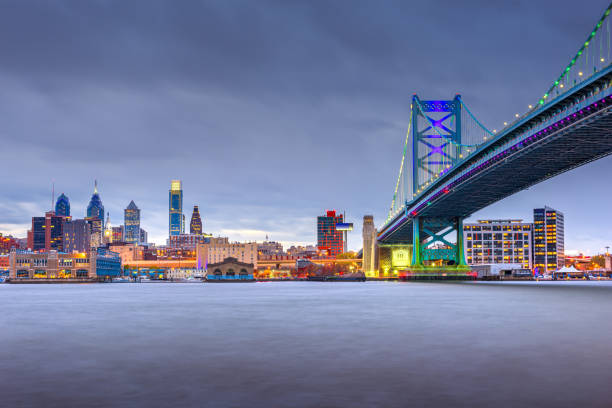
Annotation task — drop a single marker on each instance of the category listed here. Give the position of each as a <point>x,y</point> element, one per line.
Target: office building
<point>77,236</point>
<point>328,238</point>
<point>498,242</point>
<point>175,203</point>
<point>370,247</point>
<point>195,226</point>
<point>117,234</point>
<point>46,233</point>
<point>95,215</point>
<point>131,222</point>
<point>62,206</point>
<point>548,240</point>
<point>95,209</point>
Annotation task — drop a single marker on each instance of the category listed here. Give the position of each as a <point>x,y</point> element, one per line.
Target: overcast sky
<point>269,111</point>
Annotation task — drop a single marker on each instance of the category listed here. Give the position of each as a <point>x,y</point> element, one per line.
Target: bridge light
<point>561,86</point>
<point>516,114</point>
<point>494,130</point>
<point>530,106</point>
<point>580,73</point>
<point>602,59</point>
<point>505,123</point>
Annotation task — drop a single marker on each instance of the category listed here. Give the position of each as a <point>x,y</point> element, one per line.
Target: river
<point>306,344</point>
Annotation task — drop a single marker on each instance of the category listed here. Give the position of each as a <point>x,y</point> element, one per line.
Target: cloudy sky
<point>269,111</point>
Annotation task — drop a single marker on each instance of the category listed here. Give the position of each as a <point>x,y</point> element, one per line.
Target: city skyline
<point>267,187</point>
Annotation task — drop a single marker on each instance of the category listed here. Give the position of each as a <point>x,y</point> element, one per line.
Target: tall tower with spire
<point>95,214</point>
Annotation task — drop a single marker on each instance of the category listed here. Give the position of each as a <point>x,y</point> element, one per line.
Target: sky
<point>270,112</point>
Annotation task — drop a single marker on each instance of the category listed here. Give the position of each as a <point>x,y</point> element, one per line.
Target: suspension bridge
<point>453,166</point>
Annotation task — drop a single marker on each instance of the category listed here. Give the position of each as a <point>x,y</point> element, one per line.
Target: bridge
<point>453,166</point>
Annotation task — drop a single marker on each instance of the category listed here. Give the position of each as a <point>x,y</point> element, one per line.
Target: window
<point>82,273</point>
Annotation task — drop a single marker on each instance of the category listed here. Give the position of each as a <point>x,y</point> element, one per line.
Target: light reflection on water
<point>306,344</point>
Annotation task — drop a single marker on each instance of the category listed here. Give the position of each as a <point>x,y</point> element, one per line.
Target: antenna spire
<point>95,186</point>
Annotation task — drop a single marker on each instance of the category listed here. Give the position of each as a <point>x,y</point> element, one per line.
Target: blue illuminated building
<point>62,206</point>
<point>108,264</point>
<point>95,209</point>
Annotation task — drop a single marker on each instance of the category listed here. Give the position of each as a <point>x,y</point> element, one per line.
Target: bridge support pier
<point>447,261</point>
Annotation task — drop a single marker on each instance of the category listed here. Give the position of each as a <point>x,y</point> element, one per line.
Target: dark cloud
<point>274,109</point>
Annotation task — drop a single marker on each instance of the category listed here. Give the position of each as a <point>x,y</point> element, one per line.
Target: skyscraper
<point>62,206</point>
<point>131,220</point>
<point>95,207</point>
<point>195,226</point>
<point>370,266</point>
<point>548,240</point>
<point>95,214</point>
<point>328,238</point>
<point>175,203</point>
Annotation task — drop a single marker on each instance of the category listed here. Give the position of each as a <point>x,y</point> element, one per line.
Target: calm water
<point>301,344</point>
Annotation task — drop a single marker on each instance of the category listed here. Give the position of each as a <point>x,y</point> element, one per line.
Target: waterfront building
<point>46,233</point>
<point>230,268</point>
<point>59,266</point>
<point>77,235</point>
<point>328,237</point>
<point>217,249</point>
<point>195,226</point>
<point>131,222</point>
<point>498,241</point>
<point>62,206</point>
<point>108,264</point>
<point>175,202</point>
<point>548,240</point>
<point>186,241</point>
<point>51,265</point>
<point>370,247</point>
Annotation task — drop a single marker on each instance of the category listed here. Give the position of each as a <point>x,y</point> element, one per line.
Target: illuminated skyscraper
<point>195,226</point>
<point>95,209</point>
<point>548,240</point>
<point>95,214</point>
<point>175,202</point>
<point>131,220</point>
<point>328,238</point>
<point>62,206</point>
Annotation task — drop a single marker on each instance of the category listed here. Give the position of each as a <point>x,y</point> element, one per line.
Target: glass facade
<point>62,206</point>
<point>175,203</point>
<point>131,221</point>
<point>548,240</point>
<point>498,241</point>
<point>95,209</point>
<point>328,238</point>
